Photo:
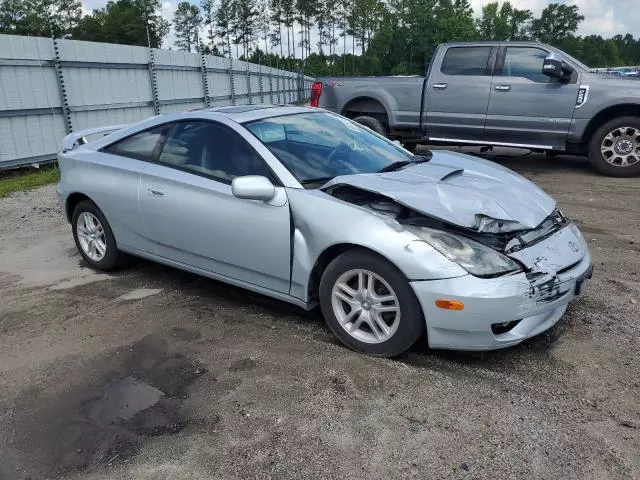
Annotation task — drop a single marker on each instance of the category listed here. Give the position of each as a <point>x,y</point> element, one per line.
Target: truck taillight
<point>316,91</point>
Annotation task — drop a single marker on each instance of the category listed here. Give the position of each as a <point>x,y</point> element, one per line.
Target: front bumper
<point>536,305</point>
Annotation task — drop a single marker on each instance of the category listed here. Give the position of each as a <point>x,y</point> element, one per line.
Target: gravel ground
<point>151,373</point>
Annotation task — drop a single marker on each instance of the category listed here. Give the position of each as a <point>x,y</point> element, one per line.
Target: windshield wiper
<point>403,163</point>
<point>309,181</point>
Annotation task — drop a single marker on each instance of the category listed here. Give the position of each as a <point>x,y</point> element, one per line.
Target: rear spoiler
<point>78,138</point>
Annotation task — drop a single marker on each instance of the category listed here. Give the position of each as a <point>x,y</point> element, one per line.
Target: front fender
<point>321,221</point>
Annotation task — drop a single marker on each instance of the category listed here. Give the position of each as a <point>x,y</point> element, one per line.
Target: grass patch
<point>26,179</point>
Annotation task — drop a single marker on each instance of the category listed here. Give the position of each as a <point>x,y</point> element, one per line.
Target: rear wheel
<point>614,149</point>
<point>369,304</point>
<point>372,123</point>
<point>94,238</point>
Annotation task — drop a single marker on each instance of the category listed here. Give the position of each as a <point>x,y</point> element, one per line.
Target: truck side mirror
<point>554,66</point>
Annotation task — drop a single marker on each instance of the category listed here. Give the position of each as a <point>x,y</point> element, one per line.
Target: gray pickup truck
<point>515,94</point>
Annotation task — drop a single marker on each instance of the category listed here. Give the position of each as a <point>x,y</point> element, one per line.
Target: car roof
<point>248,113</point>
<point>514,43</point>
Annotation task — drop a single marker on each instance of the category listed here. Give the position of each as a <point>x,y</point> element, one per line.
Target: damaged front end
<point>541,257</point>
<point>506,306</point>
<point>495,233</point>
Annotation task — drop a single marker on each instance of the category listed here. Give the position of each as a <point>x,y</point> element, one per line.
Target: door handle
<point>156,192</point>
<point>439,86</point>
<point>503,88</point>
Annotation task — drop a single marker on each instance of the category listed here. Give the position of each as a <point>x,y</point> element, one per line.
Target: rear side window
<point>525,62</point>
<point>140,146</point>
<point>466,61</point>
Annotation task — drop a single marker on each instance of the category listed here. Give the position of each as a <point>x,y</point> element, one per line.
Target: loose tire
<point>94,238</point>
<point>614,149</point>
<point>372,123</point>
<point>369,305</point>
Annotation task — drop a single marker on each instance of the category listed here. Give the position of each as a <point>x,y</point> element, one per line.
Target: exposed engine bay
<point>505,242</point>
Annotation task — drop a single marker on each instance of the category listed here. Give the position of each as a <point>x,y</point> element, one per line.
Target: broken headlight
<point>474,257</point>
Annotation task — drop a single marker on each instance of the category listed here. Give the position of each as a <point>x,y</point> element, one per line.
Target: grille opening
<point>504,327</point>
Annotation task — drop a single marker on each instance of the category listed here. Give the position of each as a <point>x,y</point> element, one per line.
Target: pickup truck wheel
<point>372,123</point>
<point>614,149</point>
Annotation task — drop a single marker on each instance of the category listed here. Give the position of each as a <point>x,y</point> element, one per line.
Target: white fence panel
<point>105,83</point>
<point>51,87</point>
<point>219,80</point>
<point>31,121</point>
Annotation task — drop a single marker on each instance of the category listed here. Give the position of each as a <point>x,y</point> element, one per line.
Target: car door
<point>457,92</point>
<point>115,180</point>
<point>191,215</point>
<point>525,106</point>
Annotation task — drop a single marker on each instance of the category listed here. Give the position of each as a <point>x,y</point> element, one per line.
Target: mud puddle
<point>138,397</point>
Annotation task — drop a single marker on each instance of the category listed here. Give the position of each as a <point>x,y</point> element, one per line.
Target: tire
<point>404,326</point>
<point>372,123</point>
<point>108,259</point>
<point>412,147</point>
<point>615,129</point>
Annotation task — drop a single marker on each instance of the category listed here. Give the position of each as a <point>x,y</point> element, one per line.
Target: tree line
<point>322,37</point>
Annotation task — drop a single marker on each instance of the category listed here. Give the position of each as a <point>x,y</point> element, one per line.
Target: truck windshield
<point>317,146</point>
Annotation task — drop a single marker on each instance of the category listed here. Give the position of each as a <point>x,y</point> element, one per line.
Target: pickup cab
<point>515,94</point>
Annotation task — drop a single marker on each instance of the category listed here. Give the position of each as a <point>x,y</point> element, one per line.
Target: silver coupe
<point>311,208</point>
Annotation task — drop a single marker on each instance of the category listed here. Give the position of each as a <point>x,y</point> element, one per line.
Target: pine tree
<point>209,17</point>
<point>223,28</point>
<point>277,19</point>
<point>246,14</point>
<point>186,22</point>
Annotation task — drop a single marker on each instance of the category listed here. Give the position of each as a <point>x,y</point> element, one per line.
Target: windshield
<point>317,146</point>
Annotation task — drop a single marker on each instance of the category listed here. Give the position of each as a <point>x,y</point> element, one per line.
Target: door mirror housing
<point>554,66</point>
<point>253,187</point>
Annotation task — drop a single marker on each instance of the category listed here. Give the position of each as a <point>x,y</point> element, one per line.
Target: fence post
<point>205,78</point>
<point>278,86</point>
<point>260,83</point>
<point>270,85</point>
<point>231,82</point>
<point>62,89</point>
<point>249,83</point>
<point>154,82</point>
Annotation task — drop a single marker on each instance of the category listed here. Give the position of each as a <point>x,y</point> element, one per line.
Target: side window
<point>139,146</point>
<point>466,61</point>
<point>525,62</point>
<point>212,150</point>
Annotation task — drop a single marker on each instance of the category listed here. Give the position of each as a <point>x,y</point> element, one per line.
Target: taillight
<point>316,91</point>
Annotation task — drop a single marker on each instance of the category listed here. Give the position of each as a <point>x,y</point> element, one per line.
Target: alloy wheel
<point>366,306</point>
<point>91,236</point>
<point>621,147</point>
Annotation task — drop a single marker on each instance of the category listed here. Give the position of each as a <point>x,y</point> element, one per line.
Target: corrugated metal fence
<point>49,88</point>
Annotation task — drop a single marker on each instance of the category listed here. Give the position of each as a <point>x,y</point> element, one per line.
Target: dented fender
<point>313,234</point>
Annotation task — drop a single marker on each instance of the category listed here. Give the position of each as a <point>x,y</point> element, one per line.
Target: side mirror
<point>253,187</point>
<point>554,66</point>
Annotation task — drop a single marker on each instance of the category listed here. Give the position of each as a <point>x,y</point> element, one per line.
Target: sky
<point>602,17</point>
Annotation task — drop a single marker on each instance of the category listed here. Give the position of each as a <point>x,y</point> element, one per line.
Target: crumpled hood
<point>467,191</point>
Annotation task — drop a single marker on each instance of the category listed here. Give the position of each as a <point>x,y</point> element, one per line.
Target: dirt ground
<point>151,373</point>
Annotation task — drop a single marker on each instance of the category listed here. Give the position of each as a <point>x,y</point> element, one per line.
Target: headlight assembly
<point>474,257</point>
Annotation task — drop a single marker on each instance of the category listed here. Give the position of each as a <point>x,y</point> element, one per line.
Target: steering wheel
<point>342,151</point>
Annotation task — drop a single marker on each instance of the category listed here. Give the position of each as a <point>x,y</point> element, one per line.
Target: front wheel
<point>614,149</point>
<point>369,305</point>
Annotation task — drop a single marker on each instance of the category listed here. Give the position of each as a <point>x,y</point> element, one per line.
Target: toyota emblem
<point>573,246</point>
